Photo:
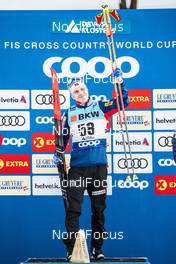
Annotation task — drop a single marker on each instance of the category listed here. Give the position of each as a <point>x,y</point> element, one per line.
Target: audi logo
<point>165,141</point>
<point>12,120</point>
<point>47,99</point>
<point>132,163</point>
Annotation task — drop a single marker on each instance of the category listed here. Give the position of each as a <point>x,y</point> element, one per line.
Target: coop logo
<point>88,27</point>
<point>43,99</point>
<point>15,120</point>
<point>133,184</point>
<point>86,144</point>
<point>165,184</point>
<point>89,67</point>
<point>14,163</point>
<point>139,99</point>
<point>14,99</point>
<point>15,185</point>
<point>13,142</point>
<point>164,98</point>
<point>44,120</point>
<point>166,162</point>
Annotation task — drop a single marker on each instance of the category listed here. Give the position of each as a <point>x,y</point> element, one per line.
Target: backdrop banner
<point>140,214</point>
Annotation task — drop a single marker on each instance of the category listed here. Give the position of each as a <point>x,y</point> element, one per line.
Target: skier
<point>86,125</point>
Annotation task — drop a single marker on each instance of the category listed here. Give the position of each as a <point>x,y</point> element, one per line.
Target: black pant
<point>94,179</point>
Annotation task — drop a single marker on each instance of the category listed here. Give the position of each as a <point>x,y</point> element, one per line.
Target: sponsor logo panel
<point>139,142</point>
<point>14,163</point>
<point>44,120</point>
<point>12,141</point>
<point>14,99</point>
<point>163,141</point>
<point>136,120</point>
<point>43,164</point>
<point>165,184</point>
<point>142,163</point>
<point>164,120</point>
<point>15,185</point>
<point>166,162</point>
<point>14,121</point>
<point>44,142</point>
<point>43,99</point>
<point>46,185</point>
<point>139,99</point>
<point>137,184</point>
<point>164,98</point>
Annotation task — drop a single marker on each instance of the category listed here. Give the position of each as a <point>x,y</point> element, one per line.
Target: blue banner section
<point>140,215</point>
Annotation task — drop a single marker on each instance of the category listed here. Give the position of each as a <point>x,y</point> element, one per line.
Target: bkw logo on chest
<point>88,115</point>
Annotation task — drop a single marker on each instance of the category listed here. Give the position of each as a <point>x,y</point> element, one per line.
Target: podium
<point>140,260</point>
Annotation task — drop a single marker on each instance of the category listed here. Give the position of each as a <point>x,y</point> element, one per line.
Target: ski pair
<point>105,16</point>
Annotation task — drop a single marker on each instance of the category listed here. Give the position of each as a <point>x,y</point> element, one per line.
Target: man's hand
<point>58,161</point>
<point>174,146</point>
<point>118,75</point>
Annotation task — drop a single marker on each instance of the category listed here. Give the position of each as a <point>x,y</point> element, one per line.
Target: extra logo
<point>165,184</point>
<point>16,120</point>
<point>43,99</point>
<point>44,142</point>
<point>140,99</point>
<point>142,163</point>
<point>14,164</point>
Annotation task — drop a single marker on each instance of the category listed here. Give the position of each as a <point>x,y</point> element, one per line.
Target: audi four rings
<point>12,120</point>
<point>132,163</point>
<point>165,141</point>
<point>47,99</point>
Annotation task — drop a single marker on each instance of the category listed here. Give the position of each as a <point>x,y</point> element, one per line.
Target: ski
<point>59,141</point>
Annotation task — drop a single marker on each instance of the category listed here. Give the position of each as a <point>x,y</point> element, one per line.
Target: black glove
<point>174,146</point>
<point>58,160</point>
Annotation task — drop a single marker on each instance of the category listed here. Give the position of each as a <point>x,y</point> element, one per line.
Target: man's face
<point>80,94</point>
